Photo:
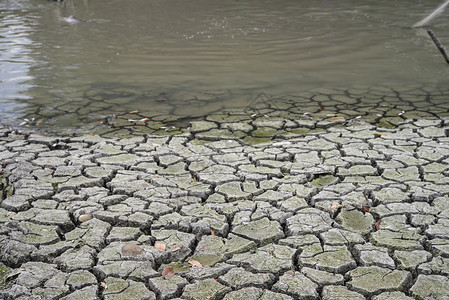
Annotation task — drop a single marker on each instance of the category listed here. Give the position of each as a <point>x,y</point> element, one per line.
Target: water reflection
<point>187,59</point>
<point>15,60</point>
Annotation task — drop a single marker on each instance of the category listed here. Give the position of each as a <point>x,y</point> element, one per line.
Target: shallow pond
<point>178,60</point>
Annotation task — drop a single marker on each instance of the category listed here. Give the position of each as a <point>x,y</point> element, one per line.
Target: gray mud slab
<point>239,207</point>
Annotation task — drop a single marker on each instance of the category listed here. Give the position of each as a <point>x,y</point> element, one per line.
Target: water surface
<point>186,59</point>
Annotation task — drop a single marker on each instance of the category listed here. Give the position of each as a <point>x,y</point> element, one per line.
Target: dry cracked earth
<point>341,210</point>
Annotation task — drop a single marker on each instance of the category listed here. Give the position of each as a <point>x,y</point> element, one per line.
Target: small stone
<point>84,218</point>
<point>131,250</point>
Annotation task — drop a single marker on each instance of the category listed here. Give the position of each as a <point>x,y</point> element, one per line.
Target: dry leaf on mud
<point>134,112</point>
<point>379,134</point>
<point>366,208</point>
<point>212,232</point>
<point>377,225</point>
<point>12,275</point>
<point>144,120</point>
<point>195,263</point>
<point>168,272</point>
<point>176,249</point>
<point>160,246</point>
<point>131,250</point>
<point>335,206</point>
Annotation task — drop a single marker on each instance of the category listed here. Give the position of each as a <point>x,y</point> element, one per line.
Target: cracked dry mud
<point>339,211</point>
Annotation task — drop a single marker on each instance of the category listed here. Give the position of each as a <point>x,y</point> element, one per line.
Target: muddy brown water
<point>186,59</point>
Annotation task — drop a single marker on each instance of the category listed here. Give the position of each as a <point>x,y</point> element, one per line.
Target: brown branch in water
<point>439,46</point>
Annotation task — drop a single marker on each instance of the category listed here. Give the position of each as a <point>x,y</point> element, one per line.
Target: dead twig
<point>439,46</point>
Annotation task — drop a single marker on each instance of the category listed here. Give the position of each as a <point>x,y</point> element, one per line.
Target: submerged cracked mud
<point>337,210</point>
